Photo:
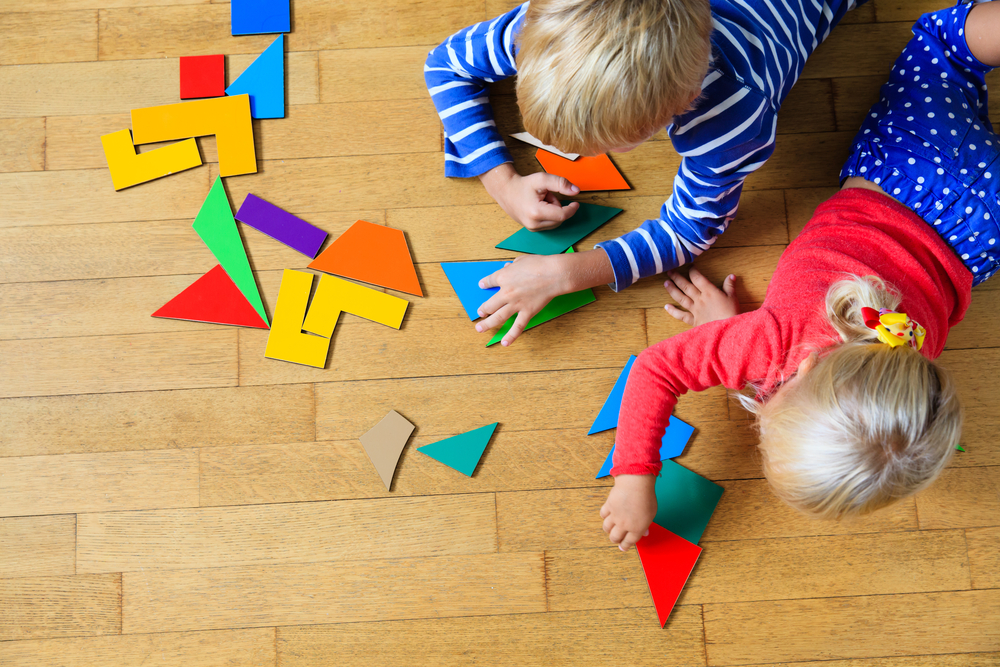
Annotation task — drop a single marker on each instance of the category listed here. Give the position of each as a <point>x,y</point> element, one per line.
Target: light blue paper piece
<point>464,278</point>
<point>607,418</point>
<point>675,439</point>
<point>264,82</point>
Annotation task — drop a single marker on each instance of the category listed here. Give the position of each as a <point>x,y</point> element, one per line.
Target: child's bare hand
<point>630,508</point>
<point>526,286</point>
<point>703,301</point>
<point>532,200</point>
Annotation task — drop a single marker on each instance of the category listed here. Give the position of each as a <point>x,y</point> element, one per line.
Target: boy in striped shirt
<point>605,75</point>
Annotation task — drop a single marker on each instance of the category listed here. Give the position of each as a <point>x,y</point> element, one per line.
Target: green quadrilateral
<point>217,228</point>
<point>461,452</point>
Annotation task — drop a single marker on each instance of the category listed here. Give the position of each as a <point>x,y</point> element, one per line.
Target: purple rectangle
<point>281,226</point>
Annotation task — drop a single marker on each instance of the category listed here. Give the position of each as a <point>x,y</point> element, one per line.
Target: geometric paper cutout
<point>685,501</point>
<point>228,118</point>
<point>335,295</point>
<point>129,168</point>
<point>203,76</point>
<point>281,226</point>
<point>587,173</point>
<point>264,82</point>
<point>286,340</point>
<point>667,561</point>
<point>607,418</point>
<point>675,438</point>
<point>259,17</point>
<point>461,452</point>
<point>213,298</point>
<point>384,443</point>
<point>537,143</point>
<point>554,241</point>
<point>371,254</point>
<point>217,228</point>
<point>464,278</point>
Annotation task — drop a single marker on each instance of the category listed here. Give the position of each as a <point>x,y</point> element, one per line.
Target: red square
<point>203,76</point>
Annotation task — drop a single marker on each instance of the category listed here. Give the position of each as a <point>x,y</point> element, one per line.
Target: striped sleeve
<point>734,137</point>
<point>457,73</point>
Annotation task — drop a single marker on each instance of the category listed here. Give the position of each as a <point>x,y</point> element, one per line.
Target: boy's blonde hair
<point>600,74</point>
<point>867,425</point>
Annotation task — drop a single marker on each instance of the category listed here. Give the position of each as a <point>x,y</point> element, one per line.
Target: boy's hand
<point>531,200</point>
<point>630,508</point>
<point>704,301</point>
<point>526,286</point>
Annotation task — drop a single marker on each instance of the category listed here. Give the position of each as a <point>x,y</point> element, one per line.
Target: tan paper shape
<point>384,444</point>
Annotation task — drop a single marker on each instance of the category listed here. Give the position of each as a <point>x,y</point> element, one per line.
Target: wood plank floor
<point>169,497</point>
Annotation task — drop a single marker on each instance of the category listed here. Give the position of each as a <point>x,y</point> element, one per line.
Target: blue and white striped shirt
<point>759,50</point>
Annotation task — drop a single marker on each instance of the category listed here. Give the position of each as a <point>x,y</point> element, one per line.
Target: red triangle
<point>667,561</point>
<point>373,254</point>
<point>212,298</point>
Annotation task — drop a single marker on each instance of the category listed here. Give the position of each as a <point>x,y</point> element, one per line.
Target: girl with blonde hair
<point>853,411</point>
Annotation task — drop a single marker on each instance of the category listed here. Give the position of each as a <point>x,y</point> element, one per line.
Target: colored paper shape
<point>129,168</point>
<point>371,254</point>
<point>228,118</point>
<point>537,143</point>
<point>384,443</point>
<point>203,76</point>
<point>464,278</point>
<point>286,342</point>
<point>675,439</point>
<point>264,82</point>
<point>607,418</point>
<point>554,241</point>
<point>667,562</point>
<point>281,226</point>
<point>959,448</point>
<point>335,295</point>
<point>217,228</point>
<point>461,452</point>
<point>259,17</point>
<point>586,173</point>
<point>213,298</point>
<point>685,501</point>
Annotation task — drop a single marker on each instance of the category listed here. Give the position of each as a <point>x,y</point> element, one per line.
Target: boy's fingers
<point>492,279</point>
<point>516,329</point>
<point>554,210</point>
<point>678,314</point>
<point>496,319</point>
<point>729,286</point>
<point>558,184</point>
<point>680,297</point>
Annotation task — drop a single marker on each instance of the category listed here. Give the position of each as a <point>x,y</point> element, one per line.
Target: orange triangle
<point>587,173</point>
<point>372,254</point>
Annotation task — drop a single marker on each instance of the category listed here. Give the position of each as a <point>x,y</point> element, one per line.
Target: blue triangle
<point>264,81</point>
<point>675,439</point>
<point>607,418</point>
<point>464,278</point>
<point>461,452</point>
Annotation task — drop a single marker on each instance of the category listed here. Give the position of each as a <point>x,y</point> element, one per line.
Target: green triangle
<point>217,228</point>
<point>554,241</point>
<point>461,452</point>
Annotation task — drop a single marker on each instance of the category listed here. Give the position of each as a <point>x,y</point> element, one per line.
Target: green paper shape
<point>217,228</point>
<point>554,241</point>
<point>685,501</point>
<point>461,452</point>
<point>560,305</point>
<point>959,448</point>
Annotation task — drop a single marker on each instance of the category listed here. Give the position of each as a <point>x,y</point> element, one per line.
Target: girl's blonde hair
<point>600,74</point>
<point>867,425</point>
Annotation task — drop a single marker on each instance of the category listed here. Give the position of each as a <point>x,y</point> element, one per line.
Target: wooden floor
<point>171,498</point>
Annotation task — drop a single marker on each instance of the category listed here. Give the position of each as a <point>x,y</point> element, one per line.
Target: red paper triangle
<point>213,298</point>
<point>372,254</point>
<point>667,561</point>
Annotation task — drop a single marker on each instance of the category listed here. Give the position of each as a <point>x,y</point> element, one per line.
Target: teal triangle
<point>461,452</point>
<point>264,82</point>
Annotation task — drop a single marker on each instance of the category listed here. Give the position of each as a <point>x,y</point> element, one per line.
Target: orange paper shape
<point>586,173</point>
<point>372,254</point>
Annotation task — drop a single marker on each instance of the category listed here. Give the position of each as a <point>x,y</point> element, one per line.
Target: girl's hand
<point>704,301</point>
<point>526,286</point>
<point>630,508</point>
<point>531,200</point>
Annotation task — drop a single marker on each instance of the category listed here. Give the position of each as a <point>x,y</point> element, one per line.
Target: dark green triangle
<point>554,241</point>
<point>461,452</point>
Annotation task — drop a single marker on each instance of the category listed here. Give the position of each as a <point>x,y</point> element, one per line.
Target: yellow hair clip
<point>894,329</point>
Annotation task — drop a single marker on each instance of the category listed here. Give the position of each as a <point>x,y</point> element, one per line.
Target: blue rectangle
<point>258,17</point>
